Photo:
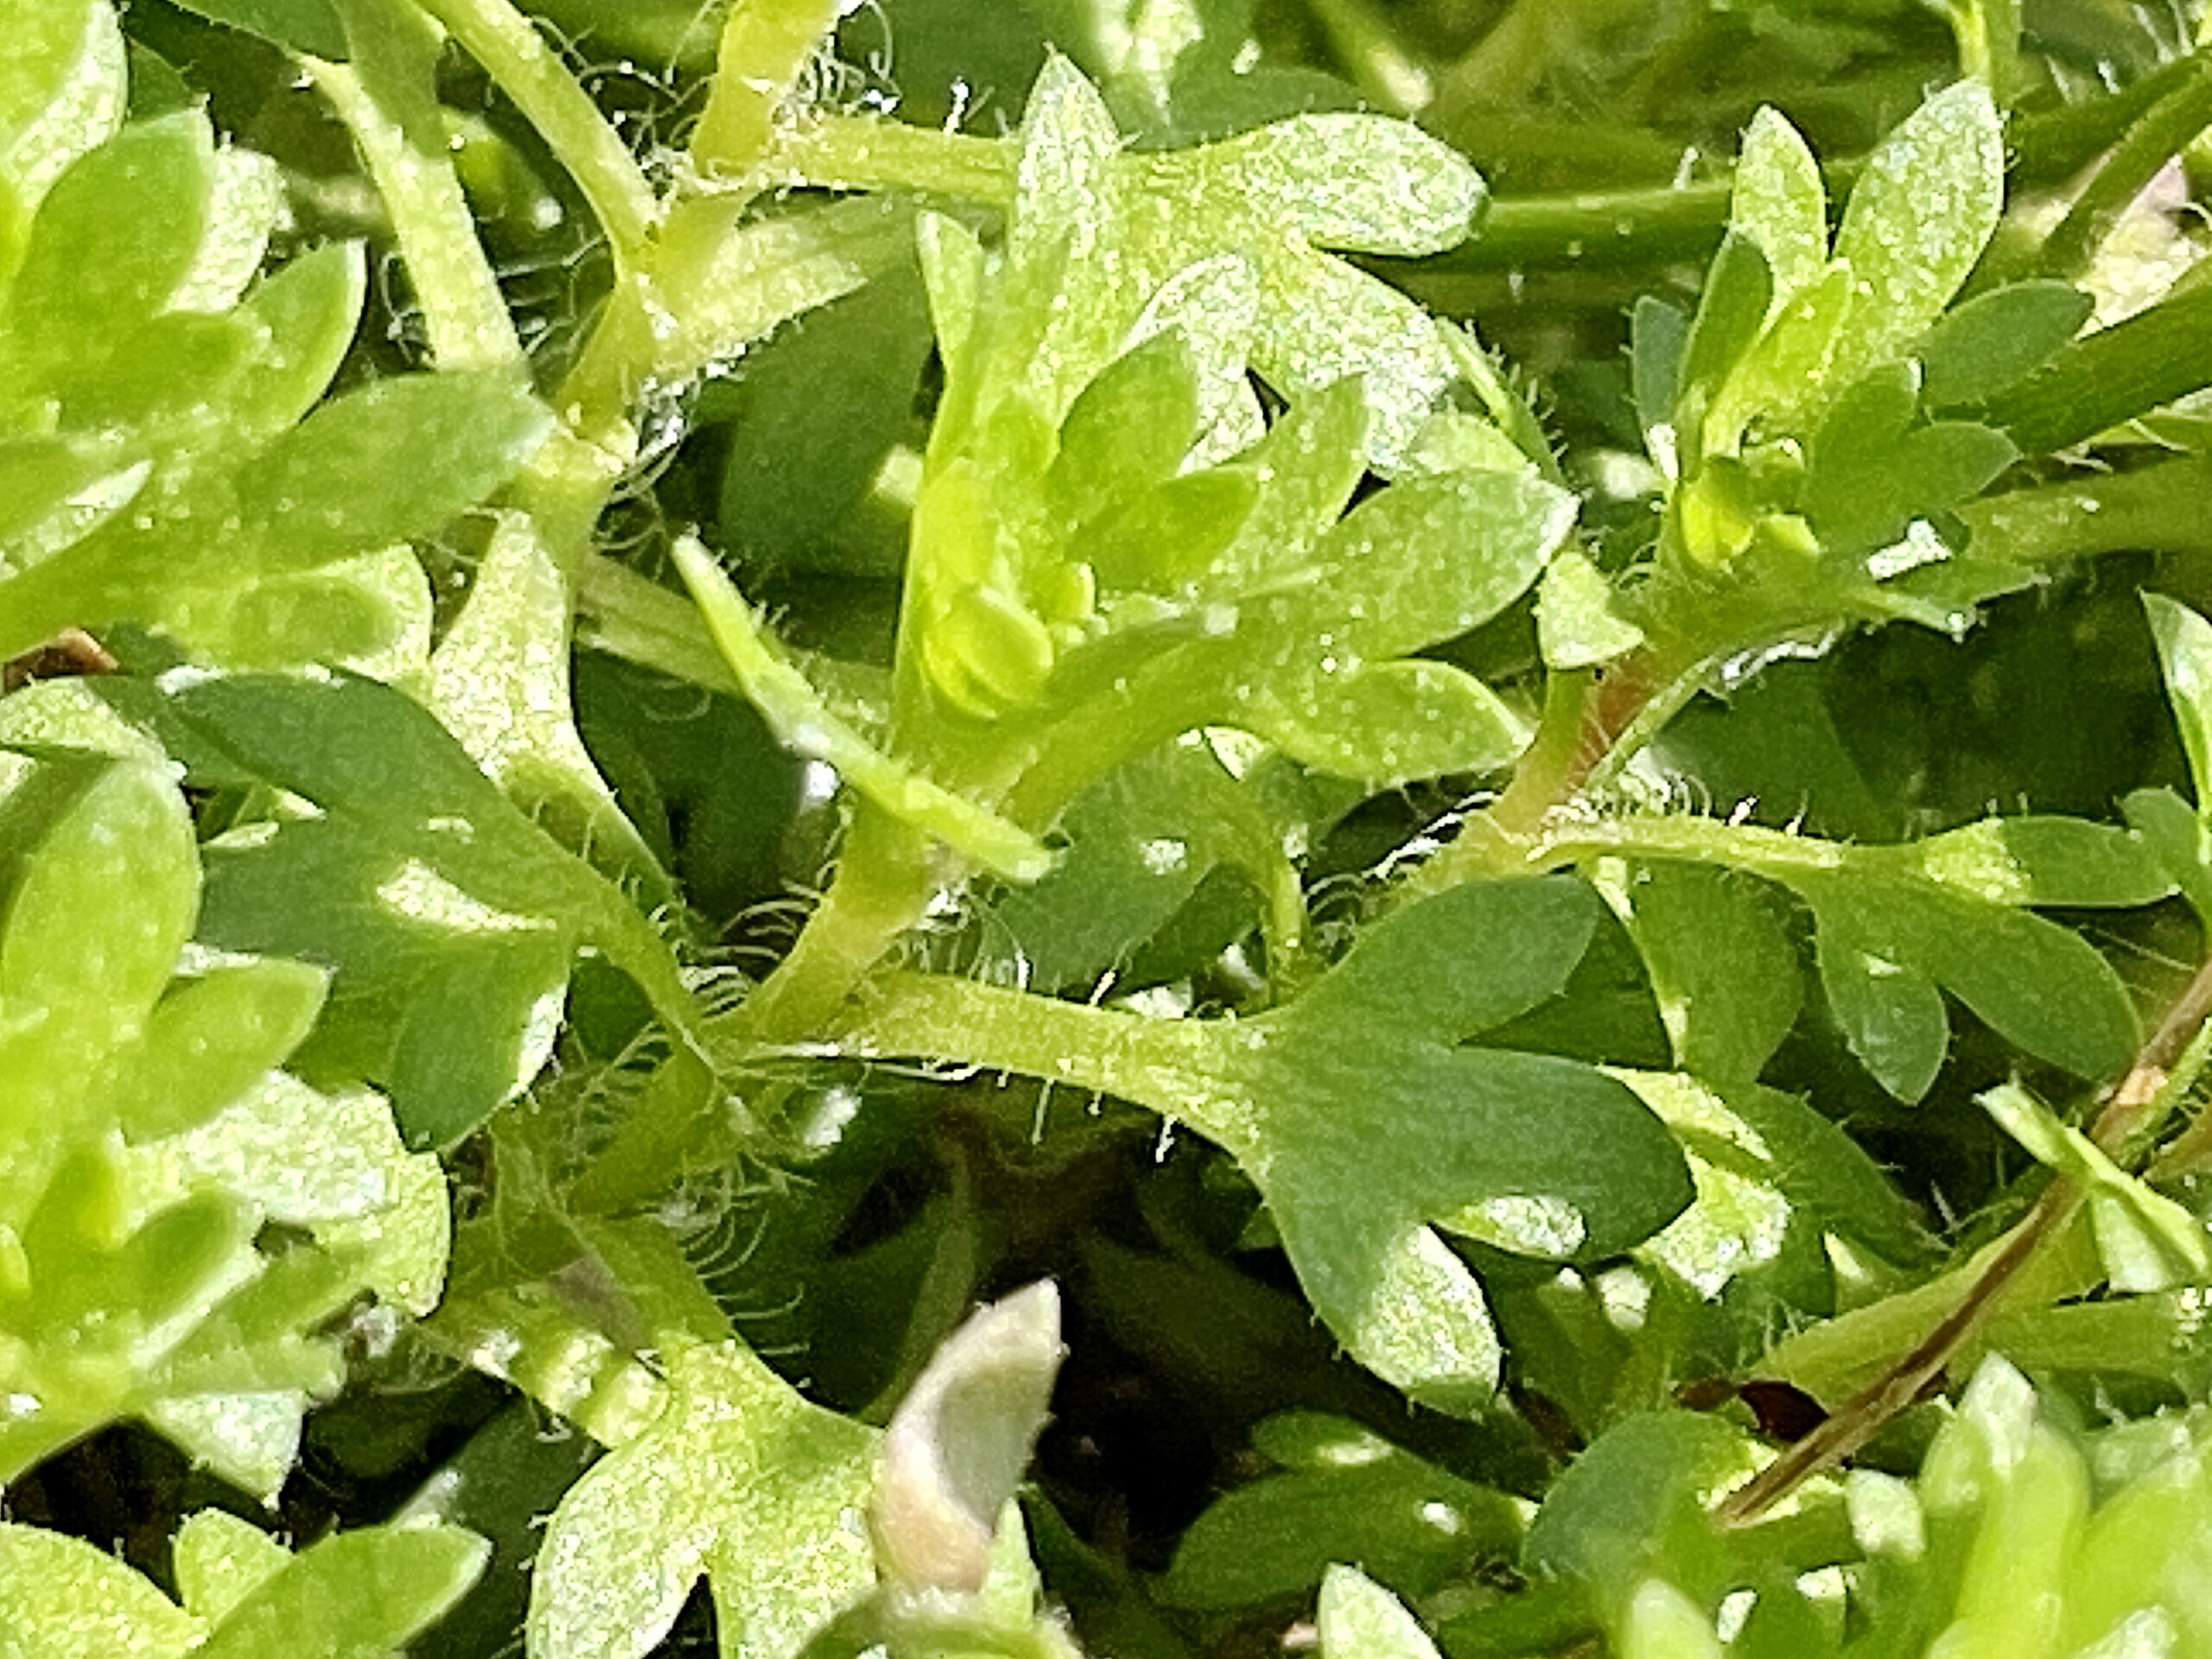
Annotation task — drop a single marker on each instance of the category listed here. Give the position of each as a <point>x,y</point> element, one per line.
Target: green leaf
<point>1630,1507</point>
<point>2147,1241</point>
<point>115,239</point>
<point>356,1595</point>
<point>1996,340</point>
<point>61,1599</point>
<point>499,681</point>
<point>1873,472</point>
<point>1389,723</point>
<point>1725,971</point>
<point>1732,311</point>
<point>221,1561</point>
<point>2184,642</point>
<point>1129,427</point>
<point>1885,947</point>
<point>1527,1151</point>
<point>395,460</point>
<point>449,917</point>
<point>1271,198</point>
<point>798,714</point>
<point>309,26</point>
<point>1780,203</point>
<point>310,309</point>
<point>1170,534</point>
<point>1344,1494</point>
<point>739,1479</point>
<point>210,1039</point>
<point>61,94</point>
<point>1397,575</point>
<point>1359,1619</point>
<point>99,853</point>
<point>1140,843</point>
<point>1579,620</point>
<point>1413,972</point>
<point>1918,218</point>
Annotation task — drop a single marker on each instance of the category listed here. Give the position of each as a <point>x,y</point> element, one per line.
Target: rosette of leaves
<point>1110,546</point>
<point>1826,415</point>
<point>179,1219</point>
<point>159,461</point>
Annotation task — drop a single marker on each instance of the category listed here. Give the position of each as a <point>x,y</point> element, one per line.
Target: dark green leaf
<point>1344,1495</point>
<point>1996,340</point>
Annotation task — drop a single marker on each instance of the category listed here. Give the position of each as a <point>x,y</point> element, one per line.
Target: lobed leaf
<point>738,1479</point>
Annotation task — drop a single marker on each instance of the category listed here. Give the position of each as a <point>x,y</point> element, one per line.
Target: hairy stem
<point>886,878</point>
<point>528,70</point>
<point>1592,724</point>
<point>398,129</point>
<point>765,46</point>
<point>852,152</point>
<point>1173,1067</point>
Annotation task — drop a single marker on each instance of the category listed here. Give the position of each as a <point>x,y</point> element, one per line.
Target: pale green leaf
<point>2148,1241</point>
<point>739,1479</point>
<point>1390,723</point>
<point>221,1561</point>
<point>355,1595</point>
<point>498,680</point>
<point>1579,620</point>
<point>1780,203</point>
<point>61,94</point>
<point>61,1599</point>
<point>1919,216</point>
<point>1359,1619</point>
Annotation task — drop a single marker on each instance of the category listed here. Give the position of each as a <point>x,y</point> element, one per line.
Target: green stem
<point>1369,50</point>
<point>885,879</point>
<point>636,619</point>
<point>2164,1067</point>
<point>463,311</point>
<point>2160,508</point>
<point>848,152</point>
<point>1612,230</point>
<point>1592,725</point>
<point>2163,133</point>
<point>531,72</point>
<point>1176,1067</point>
<point>766,46</point>
<point>668,1130</point>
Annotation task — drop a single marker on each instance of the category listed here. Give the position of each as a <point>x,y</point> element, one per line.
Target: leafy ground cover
<point>1040,828</point>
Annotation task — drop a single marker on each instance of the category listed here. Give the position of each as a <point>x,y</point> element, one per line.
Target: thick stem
<point>1174,1066</point>
<point>1389,77</point>
<point>1592,725</point>
<point>850,152</point>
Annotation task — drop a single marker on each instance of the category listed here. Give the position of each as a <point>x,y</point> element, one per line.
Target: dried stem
<point>2140,1098</point>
